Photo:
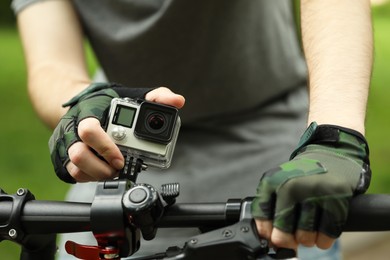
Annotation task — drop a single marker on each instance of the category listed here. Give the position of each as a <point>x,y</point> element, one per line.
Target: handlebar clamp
<point>11,229</point>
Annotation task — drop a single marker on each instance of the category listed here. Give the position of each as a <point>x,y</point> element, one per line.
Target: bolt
<point>244,229</point>
<point>110,253</point>
<point>12,233</point>
<point>194,241</point>
<point>263,243</point>
<point>227,233</point>
<point>20,191</point>
<point>111,256</point>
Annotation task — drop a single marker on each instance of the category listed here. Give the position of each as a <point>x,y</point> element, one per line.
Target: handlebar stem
<point>114,236</point>
<point>107,219</point>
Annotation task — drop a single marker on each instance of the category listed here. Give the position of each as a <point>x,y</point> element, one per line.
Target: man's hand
<point>80,135</point>
<point>306,200</point>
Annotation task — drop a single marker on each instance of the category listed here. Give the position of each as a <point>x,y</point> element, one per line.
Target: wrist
<point>338,113</point>
<point>350,122</point>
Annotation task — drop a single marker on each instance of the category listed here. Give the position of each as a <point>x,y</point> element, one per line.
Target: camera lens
<point>156,121</point>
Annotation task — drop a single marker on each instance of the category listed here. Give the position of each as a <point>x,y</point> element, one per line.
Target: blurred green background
<point>24,156</point>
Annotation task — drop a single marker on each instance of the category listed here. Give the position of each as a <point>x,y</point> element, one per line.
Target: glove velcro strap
<point>327,134</point>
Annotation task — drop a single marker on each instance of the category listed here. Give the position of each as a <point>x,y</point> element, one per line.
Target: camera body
<point>144,130</point>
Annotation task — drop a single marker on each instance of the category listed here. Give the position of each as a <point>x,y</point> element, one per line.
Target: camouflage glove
<point>94,101</point>
<point>312,191</point>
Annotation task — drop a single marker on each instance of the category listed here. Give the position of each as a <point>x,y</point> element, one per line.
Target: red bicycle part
<point>91,252</point>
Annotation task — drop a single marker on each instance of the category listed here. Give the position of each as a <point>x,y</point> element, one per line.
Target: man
<point>239,66</point>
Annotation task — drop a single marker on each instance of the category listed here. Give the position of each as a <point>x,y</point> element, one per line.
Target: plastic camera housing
<point>144,130</point>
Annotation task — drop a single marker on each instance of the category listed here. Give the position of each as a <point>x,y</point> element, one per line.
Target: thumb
<point>165,96</point>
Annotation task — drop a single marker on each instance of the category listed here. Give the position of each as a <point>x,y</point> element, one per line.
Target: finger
<point>263,205</point>
<point>324,241</point>
<point>281,239</point>
<point>309,215</point>
<point>87,162</point>
<point>77,174</point>
<point>334,215</point>
<point>308,223</point>
<point>306,238</point>
<point>93,135</point>
<point>165,96</point>
<point>264,228</point>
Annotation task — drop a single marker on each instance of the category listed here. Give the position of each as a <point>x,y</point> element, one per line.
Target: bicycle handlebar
<point>122,211</point>
<point>369,212</point>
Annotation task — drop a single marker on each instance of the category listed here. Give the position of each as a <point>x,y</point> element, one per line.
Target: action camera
<point>144,130</point>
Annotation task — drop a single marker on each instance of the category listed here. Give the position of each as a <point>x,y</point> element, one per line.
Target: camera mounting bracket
<point>133,166</point>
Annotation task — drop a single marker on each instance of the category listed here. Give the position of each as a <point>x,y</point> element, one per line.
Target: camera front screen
<point>124,116</point>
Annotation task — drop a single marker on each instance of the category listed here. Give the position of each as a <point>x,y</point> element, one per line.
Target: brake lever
<point>279,253</point>
<point>237,241</point>
<point>90,252</point>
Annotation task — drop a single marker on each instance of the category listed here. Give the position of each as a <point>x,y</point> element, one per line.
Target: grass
<point>23,138</point>
<point>24,156</point>
<point>378,123</point>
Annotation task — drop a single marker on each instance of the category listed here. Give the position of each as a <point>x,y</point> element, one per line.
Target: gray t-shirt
<point>223,56</point>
